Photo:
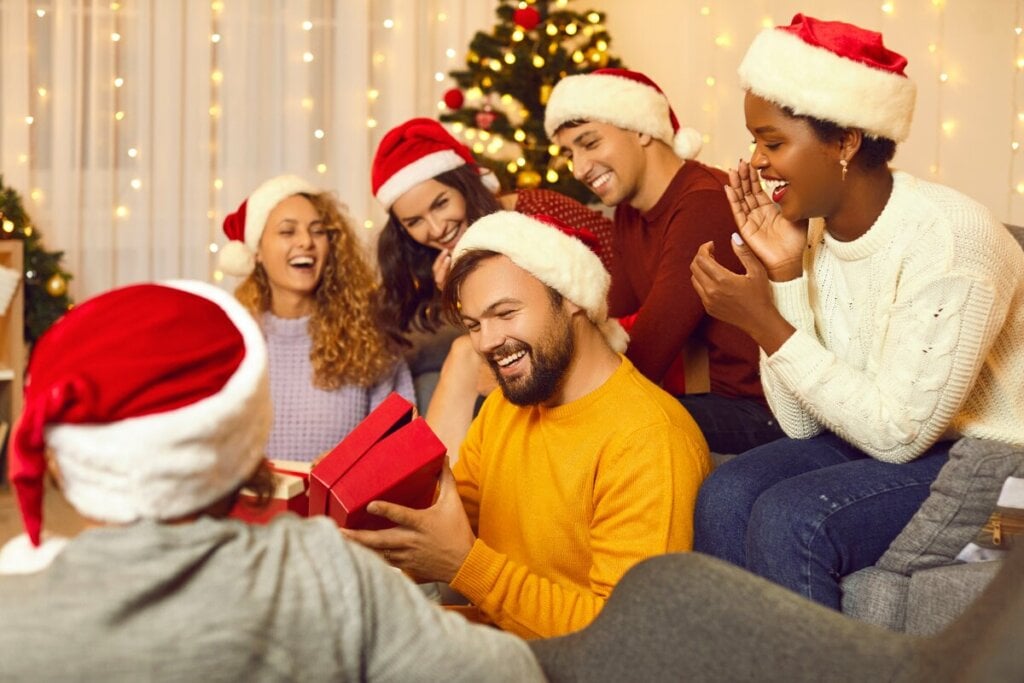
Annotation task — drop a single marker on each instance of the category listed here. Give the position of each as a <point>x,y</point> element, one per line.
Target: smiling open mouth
<point>304,262</point>
<point>776,188</point>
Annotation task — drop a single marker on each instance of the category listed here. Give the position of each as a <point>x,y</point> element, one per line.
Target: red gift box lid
<point>388,456</point>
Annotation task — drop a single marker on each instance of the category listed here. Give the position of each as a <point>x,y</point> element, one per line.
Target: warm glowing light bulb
<point>218,184</point>
<point>439,76</point>
<point>1014,145</point>
<point>40,13</point>
<point>948,127</point>
<point>553,150</point>
<point>519,135</point>
<point>307,57</point>
<point>478,147</point>
<point>115,37</point>
<point>552,175</point>
<point>217,6</point>
<point>119,116</point>
<point>217,76</point>
<point>570,29</point>
<point>118,82</point>
<point>1020,188</point>
<point>318,134</point>
<point>551,30</point>
<point>213,248</point>
<point>705,11</point>
<point>593,17</point>
<point>520,162</point>
<point>510,58</point>
<point>121,211</point>
<point>538,61</point>
<point>449,53</point>
<point>511,167</point>
<point>371,123</point>
<point>37,195</point>
<point>943,77</point>
<point>372,93</point>
<point>307,25</point>
<point>710,80</point>
<point>389,23</point>
<point>321,168</point>
<point>136,183</point>
<point>441,16</point>
<point>218,276</point>
<point>577,56</point>
<point>723,40</point>
<point>42,92</point>
<point>887,7</point>
<point>29,120</point>
<point>368,224</point>
<point>767,22</point>
<point>307,103</point>
<point>215,38</point>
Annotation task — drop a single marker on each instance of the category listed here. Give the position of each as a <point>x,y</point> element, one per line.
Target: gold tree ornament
<point>56,285</point>
<point>527,180</point>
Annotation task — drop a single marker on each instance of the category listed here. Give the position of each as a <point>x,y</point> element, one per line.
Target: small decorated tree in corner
<point>46,282</point>
<point>498,106</point>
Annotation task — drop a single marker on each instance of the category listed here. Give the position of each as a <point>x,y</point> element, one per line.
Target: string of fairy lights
<point>450,54</point>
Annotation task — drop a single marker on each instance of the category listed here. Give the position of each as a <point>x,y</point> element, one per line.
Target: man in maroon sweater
<point>627,147</point>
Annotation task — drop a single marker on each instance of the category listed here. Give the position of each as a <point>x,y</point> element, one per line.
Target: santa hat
<point>416,151</point>
<point>153,399</point>
<point>244,227</point>
<point>832,71</point>
<point>559,255</point>
<point>625,99</point>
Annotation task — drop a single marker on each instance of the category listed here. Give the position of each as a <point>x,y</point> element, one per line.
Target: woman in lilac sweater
<point>312,291</point>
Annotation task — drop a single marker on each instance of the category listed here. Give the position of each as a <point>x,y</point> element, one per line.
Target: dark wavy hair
<point>873,151</point>
<point>409,299</point>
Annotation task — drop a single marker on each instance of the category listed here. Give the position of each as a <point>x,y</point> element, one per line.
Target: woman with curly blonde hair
<point>312,291</point>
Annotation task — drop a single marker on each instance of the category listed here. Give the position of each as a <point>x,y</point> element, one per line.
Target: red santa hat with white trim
<point>414,152</point>
<point>625,99</point>
<point>153,400</point>
<point>244,227</point>
<point>832,71</point>
<point>561,256</point>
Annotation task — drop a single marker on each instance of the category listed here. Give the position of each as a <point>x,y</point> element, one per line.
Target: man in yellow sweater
<point>578,468</point>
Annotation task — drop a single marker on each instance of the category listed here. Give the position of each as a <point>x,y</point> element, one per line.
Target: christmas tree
<point>498,106</point>
<point>46,283</point>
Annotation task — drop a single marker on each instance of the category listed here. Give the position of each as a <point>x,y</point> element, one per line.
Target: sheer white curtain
<point>131,128</point>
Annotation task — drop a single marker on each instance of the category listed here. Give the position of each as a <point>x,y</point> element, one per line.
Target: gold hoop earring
<point>844,164</point>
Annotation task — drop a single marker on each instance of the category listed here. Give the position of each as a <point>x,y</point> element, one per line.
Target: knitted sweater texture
<point>564,500</point>
<point>908,335</point>
<point>307,420</point>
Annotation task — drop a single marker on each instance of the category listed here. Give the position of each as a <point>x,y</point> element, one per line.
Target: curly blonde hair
<point>347,345</point>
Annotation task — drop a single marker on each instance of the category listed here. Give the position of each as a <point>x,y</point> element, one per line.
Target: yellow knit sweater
<point>564,500</point>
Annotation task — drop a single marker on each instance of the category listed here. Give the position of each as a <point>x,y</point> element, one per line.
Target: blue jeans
<point>806,512</point>
<point>732,425</point>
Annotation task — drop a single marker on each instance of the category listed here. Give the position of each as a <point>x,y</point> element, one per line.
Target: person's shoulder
<point>642,403</point>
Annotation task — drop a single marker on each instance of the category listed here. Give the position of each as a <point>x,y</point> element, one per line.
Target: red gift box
<point>389,456</point>
<point>290,494</point>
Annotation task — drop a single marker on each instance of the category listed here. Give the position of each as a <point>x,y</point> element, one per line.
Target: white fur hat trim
<point>171,464</point>
<point>563,263</point>
<point>813,81</point>
<point>621,102</point>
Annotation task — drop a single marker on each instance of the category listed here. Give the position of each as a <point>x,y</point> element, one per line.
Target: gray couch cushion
<point>877,597</point>
<point>961,499</point>
<point>938,596</point>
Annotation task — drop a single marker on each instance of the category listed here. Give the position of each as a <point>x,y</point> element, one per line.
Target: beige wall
<point>972,41</point>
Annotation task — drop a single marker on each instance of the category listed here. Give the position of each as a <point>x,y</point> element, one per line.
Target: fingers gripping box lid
<point>391,455</point>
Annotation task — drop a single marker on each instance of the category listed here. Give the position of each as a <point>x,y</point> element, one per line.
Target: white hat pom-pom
<point>236,259</point>
<point>615,335</point>
<point>687,143</point>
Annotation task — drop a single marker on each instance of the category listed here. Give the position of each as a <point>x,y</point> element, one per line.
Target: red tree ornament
<point>453,98</point>
<point>485,119</point>
<point>528,18</point>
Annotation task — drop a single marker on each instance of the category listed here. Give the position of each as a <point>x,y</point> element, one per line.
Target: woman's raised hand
<point>777,242</point>
<point>442,265</point>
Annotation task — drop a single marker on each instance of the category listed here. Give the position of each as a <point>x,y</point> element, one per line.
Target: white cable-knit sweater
<point>912,333</point>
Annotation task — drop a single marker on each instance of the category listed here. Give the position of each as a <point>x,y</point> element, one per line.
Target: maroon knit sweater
<point>651,278</point>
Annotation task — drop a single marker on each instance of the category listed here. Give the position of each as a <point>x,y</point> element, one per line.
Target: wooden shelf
<point>12,344</point>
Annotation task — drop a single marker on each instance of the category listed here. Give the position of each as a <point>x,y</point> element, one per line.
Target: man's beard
<point>548,363</point>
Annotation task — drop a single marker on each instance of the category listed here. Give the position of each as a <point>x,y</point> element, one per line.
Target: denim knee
<point>723,507</point>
